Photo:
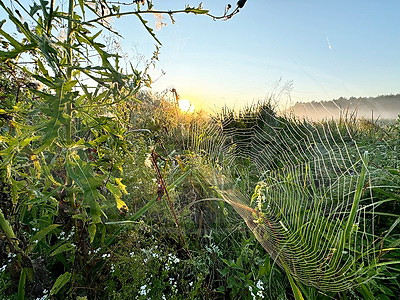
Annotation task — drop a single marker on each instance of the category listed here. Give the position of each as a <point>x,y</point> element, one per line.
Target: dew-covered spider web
<point>304,189</point>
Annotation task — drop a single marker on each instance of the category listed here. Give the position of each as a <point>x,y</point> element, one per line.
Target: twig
<point>225,16</point>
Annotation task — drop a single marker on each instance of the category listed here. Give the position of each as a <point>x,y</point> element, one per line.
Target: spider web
<point>312,205</point>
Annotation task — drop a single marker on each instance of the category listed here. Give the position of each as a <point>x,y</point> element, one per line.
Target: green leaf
<point>6,227</point>
<point>100,139</point>
<point>296,291</point>
<point>21,285</point>
<point>23,28</point>
<point>34,9</point>
<point>42,233</point>
<point>395,243</point>
<point>150,30</point>
<point>92,231</point>
<point>178,180</point>
<point>113,131</point>
<point>42,68</point>
<point>117,192</point>
<point>4,55</point>
<point>120,222</point>
<point>385,263</point>
<point>82,6</point>
<point>50,83</point>
<point>26,141</point>
<point>116,8</point>
<point>196,11</point>
<point>142,210</point>
<point>49,138</point>
<point>70,84</point>
<point>393,171</point>
<point>95,211</point>
<point>63,248</point>
<point>12,41</point>
<point>136,216</point>
<point>114,190</point>
<point>82,216</point>
<point>60,282</point>
<point>388,194</point>
<point>82,173</point>
<point>366,292</point>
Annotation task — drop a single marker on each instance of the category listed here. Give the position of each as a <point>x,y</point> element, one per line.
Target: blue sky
<point>328,49</point>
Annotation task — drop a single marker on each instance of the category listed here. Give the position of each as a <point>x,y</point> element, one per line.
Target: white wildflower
<point>251,292</point>
<point>260,285</point>
<point>143,290</point>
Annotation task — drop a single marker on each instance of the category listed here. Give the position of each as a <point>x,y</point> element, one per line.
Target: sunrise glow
<point>185,105</point>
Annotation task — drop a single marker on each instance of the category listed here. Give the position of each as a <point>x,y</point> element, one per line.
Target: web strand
<point>307,175</point>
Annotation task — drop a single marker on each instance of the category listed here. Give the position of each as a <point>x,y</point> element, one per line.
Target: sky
<point>309,50</point>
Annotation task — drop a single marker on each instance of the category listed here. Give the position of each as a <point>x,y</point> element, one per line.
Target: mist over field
<point>380,107</point>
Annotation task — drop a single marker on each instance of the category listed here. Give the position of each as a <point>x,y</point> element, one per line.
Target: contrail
<point>329,43</point>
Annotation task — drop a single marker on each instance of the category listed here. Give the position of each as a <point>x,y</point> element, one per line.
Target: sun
<point>185,105</point>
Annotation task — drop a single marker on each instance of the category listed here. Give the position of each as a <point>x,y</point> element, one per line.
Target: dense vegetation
<point>100,198</point>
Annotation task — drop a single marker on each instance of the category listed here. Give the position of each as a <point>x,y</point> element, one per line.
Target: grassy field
<point>109,192</point>
<point>181,242</point>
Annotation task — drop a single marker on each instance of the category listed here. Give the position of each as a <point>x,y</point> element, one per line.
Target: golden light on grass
<point>185,105</point>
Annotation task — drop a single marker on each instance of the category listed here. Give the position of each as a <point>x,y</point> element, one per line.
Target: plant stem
<point>68,129</point>
<point>69,71</point>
